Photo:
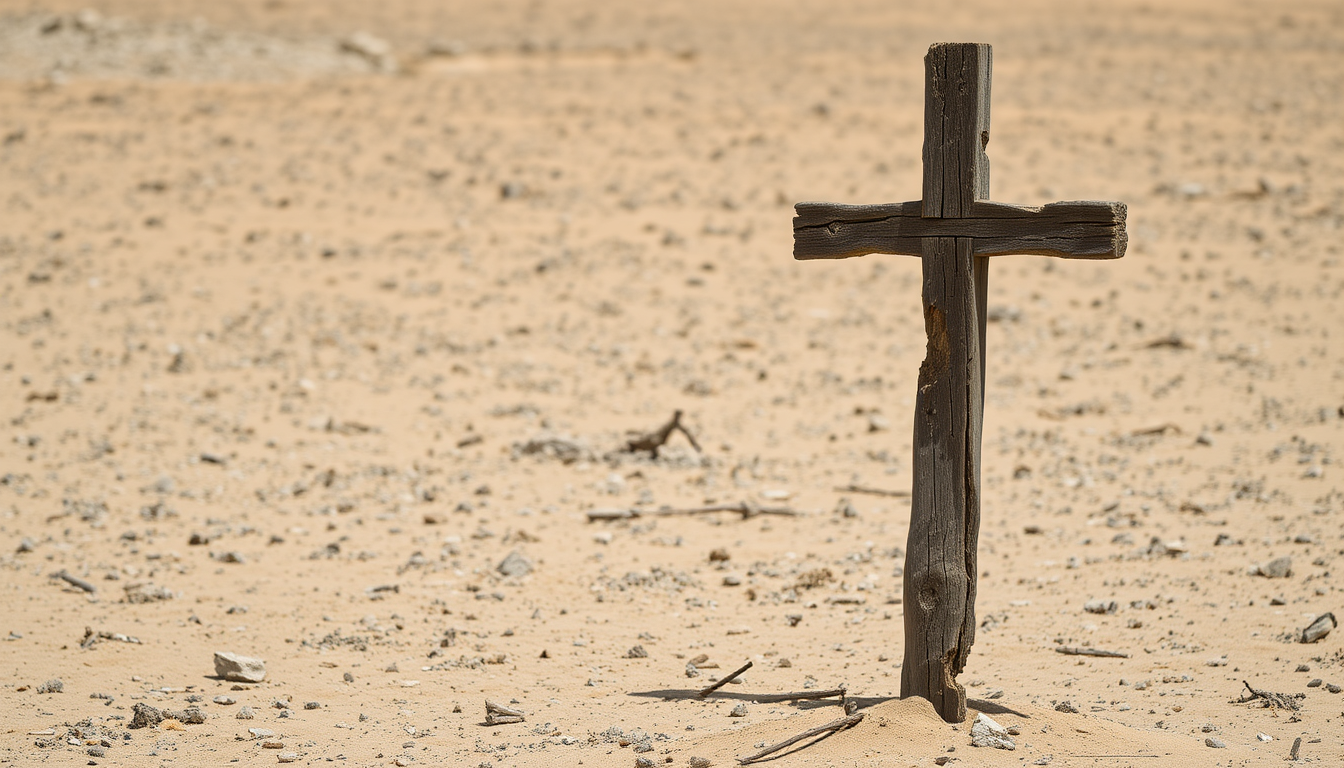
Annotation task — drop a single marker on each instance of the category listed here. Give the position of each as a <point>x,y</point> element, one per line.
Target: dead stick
<point>770,698</point>
<point>716,686</point>
<point>834,725</point>
<point>747,510</point>
<point>74,581</point>
<point>870,491</point>
<point>1069,650</point>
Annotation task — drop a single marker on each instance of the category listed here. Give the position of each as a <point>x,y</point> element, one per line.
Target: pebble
<point>144,716</point>
<point>1215,743</point>
<point>643,762</point>
<point>245,713</point>
<point>637,652</point>
<point>1319,628</point>
<point>312,705</point>
<point>1101,606</point>
<point>96,751</point>
<point>53,685</point>
<point>1316,683</point>
<point>1331,687</point>
<point>1278,568</point>
<point>1066,706</point>
<point>514,564</point>
<point>272,745</point>
<point>261,733</point>
<point>1043,760</point>
<point>224,700</point>
<point>239,669</point>
<point>987,733</point>
<point>287,757</point>
<point>738,711</point>
<point>347,677</point>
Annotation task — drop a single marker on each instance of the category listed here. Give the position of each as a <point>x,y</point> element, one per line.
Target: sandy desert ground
<point>323,327</point>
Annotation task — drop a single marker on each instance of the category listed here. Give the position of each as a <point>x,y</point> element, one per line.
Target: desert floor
<point>313,314</point>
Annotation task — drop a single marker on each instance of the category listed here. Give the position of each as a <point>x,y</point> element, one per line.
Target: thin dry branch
<point>848,721</point>
<point>726,679</point>
<point>1069,650</point>
<point>770,698</point>
<point>652,441</point>
<point>871,491</point>
<point>499,714</point>
<point>746,509</point>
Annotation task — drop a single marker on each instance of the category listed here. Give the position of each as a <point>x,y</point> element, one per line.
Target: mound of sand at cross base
<point>910,732</point>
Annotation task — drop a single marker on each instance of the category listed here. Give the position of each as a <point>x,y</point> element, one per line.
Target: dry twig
<point>746,509</point>
<point>835,725</point>
<point>652,441</point>
<point>870,491</point>
<point>1069,650</point>
<point>770,698</point>
<point>716,686</point>
<point>74,581</point>
<point>1271,700</point>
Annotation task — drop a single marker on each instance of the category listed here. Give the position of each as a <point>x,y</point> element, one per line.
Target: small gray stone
<point>643,762</point>
<point>96,751</point>
<point>245,713</point>
<point>261,733</point>
<point>1214,743</point>
<point>637,652</point>
<point>190,715</point>
<point>1066,706</point>
<point>144,716</point>
<point>1315,683</point>
<point>53,685</point>
<point>1319,628</point>
<point>515,565</point>
<point>1101,606</point>
<point>347,677</point>
<point>312,705</point>
<point>239,669</point>
<point>739,711</point>
<point>224,700</point>
<point>1278,568</point>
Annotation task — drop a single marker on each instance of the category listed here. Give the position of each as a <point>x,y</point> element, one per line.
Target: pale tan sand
<point>364,292</point>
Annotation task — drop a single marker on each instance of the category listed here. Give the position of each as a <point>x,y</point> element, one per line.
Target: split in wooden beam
<point>746,509</point>
<point>1081,230</point>
<point>841,724</point>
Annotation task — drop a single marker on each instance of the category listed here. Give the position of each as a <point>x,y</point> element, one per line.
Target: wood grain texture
<point>940,564</point>
<point>1068,230</point>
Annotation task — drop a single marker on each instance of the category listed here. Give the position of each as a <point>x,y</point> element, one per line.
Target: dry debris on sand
<point>414,355</point>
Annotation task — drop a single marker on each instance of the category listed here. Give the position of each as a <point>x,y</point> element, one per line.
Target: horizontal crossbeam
<point>1081,230</point>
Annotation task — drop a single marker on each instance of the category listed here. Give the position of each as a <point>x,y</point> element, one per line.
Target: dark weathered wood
<point>771,698</point>
<point>1075,230</point>
<point>953,228</point>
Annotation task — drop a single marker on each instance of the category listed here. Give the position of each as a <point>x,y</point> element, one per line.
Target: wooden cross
<point>953,229</point>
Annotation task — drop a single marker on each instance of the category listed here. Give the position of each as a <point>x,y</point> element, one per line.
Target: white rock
<point>987,733</point>
<point>239,669</point>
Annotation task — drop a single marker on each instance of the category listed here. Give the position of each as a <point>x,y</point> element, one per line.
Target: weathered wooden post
<point>953,230</point>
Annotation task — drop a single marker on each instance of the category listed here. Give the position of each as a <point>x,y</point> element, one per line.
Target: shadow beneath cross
<point>990,708</point>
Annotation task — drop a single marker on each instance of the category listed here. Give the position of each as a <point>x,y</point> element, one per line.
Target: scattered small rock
<point>1214,743</point>
<point>1278,568</point>
<point>144,716</point>
<point>1101,606</point>
<point>637,652</point>
<point>53,685</point>
<point>239,669</point>
<point>514,564</point>
<point>738,711</point>
<point>1066,706</point>
<point>245,713</point>
<point>987,733</point>
<point>1319,628</point>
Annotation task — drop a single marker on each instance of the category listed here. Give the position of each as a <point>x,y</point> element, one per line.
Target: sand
<point>313,313</point>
